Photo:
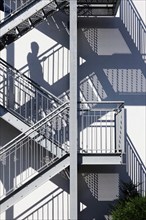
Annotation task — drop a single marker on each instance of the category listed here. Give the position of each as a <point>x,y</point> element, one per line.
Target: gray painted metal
<point>25,17</point>
<point>100,159</point>
<point>120,130</point>
<point>135,26</point>
<point>24,156</point>
<point>73,112</point>
<point>34,184</point>
<point>101,127</point>
<point>22,16</point>
<point>21,126</point>
<point>135,167</point>
<point>96,8</point>
<point>25,99</point>
<point>13,120</point>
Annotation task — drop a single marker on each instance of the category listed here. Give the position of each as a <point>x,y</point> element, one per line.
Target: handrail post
<point>120,127</point>
<point>124,130</point>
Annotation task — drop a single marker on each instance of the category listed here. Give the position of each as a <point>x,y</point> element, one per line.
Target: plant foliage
<point>132,209</point>
<point>132,206</point>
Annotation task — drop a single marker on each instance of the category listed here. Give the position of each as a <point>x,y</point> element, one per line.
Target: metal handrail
<point>136,12</point>
<point>30,81</point>
<point>17,8</point>
<point>134,24</point>
<point>135,167</point>
<point>23,97</point>
<point>33,128</point>
<point>103,124</point>
<point>120,104</point>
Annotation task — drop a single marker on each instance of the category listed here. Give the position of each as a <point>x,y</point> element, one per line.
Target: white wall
<point>141,7</point>
<point>110,60</point>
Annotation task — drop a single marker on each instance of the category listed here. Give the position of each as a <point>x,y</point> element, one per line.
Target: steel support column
<point>73,111</point>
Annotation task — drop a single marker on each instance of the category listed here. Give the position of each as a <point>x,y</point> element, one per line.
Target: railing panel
<point>99,129</point>
<point>23,97</point>
<point>135,167</point>
<point>134,25</point>
<point>12,6</point>
<point>55,64</point>
<point>36,149</point>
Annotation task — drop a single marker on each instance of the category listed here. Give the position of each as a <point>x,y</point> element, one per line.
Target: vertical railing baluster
<point>111,137</point>
<point>62,54</point>
<point>135,168</point>
<point>15,168</point>
<point>96,130</point>
<point>106,149</point>
<point>100,131</point>
<point>62,202</point>
<point>9,171</point>
<point>134,24</point>
<point>82,128</point>
<point>116,131</point>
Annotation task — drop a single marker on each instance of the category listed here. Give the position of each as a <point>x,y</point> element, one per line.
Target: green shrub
<point>132,209</point>
<point>129,190</point>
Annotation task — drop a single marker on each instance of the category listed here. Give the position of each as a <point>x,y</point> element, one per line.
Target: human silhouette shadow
<point>35,67</point>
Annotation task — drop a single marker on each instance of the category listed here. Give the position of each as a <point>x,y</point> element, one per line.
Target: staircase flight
<point>25,160</point>
<point>26,16</point>
<point>24,98</point>
<point>34,183</point>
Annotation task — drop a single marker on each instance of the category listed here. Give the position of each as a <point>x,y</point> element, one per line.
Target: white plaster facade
<point>108,57</point>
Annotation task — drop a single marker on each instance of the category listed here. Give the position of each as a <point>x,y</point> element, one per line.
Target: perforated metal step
<point>88,8</point>
<point>25,18</point>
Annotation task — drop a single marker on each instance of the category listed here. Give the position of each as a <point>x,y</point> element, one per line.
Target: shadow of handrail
<point>135,167</point>
<point>17,75</point>
<point>45,203</point>
<point>134,25</point>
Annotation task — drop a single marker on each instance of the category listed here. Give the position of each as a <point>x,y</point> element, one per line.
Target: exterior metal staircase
<point>102,133</point>
<point>96,7</point>
<point>25,16</point>
<point>22,102</point>
<point>135,26</point>
<point>34,183</point>
<point>27,163</point>
<point>22,97</point>
<point>42,151</point>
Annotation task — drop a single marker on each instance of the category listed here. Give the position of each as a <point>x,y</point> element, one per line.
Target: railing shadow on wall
<point>54,62</point>
<point>135,167</point>
<point>120,74</point>
<point>101,69</point>
<point>26,99</point>
<point>134,25</point>
<point>49,206</point>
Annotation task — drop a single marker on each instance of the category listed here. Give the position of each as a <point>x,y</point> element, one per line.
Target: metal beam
<point>100,159</point>
<point>34,183</point>
<point>73,111</point>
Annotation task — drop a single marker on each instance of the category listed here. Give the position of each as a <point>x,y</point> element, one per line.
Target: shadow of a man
<point>35,68</point>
